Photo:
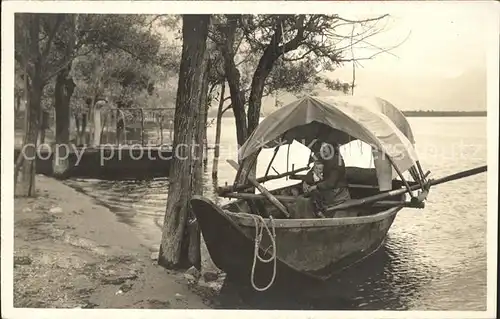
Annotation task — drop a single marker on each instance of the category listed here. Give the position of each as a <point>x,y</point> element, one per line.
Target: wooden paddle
<point>263,190</point>
<point>384,195</point>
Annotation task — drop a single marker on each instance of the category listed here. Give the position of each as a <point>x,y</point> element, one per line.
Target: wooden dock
<point>136,155</point>
<point>117,163</point>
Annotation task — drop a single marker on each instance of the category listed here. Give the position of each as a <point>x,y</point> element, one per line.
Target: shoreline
<point>81,256</point>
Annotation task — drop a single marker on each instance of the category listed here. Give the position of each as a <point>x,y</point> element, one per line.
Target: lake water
<point>433,259</point>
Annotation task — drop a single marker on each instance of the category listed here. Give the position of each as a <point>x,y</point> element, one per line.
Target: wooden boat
<point>275,237</point>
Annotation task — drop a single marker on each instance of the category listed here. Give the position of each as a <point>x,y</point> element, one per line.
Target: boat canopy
<point>338,119</point>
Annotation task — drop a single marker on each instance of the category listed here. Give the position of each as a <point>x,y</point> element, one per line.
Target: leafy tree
<point>124,48</point>
<point>336,85</point>
<point>34,37</point>
<point>18,88</point>
<point>283,52</point>
<point>290,50</point>
<point>267,54</point>
<point>116,76</point>
<point>46,46</point>
<point>130,69</point>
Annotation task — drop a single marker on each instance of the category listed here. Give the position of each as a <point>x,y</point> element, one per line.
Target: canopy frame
<point>272,160</point>
<point>372,120</point>
<point>387,118</point>
<point>239,181</point>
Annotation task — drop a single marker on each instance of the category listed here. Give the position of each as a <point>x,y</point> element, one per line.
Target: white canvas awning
<point>371,120</point>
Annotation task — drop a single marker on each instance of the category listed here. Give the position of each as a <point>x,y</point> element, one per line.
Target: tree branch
<point>66,63</point>
<point>239,44</point>
<point>245,59</point>
<point>298,58</point>
<point>381,50</point>
<point>227,108</point>
<point>363,20</point>
<point>134,55</point>
<point>52,34</point>
<point>150,24</point>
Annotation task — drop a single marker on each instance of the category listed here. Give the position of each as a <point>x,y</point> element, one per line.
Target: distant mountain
<point>269,109</point>
<point>464,92</point>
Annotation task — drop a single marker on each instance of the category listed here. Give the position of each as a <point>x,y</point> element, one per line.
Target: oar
<point>396,192</point>
<point>286,198</point>
<point>263,190</point>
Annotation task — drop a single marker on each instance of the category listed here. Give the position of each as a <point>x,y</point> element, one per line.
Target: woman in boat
<point>326,183</point>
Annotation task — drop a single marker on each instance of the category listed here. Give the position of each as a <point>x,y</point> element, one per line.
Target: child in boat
<point>314,176</point>
<point>326,182</point>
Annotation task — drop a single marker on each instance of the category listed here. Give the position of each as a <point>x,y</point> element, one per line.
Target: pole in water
<point>396,192</point>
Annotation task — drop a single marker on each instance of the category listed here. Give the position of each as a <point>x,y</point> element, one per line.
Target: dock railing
<point>144,126</point>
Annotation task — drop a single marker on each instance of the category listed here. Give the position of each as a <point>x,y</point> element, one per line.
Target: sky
<point>440,66</point>
<point>440,63</point>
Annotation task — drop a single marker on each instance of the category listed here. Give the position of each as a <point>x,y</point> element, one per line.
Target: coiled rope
<point>260,225</point>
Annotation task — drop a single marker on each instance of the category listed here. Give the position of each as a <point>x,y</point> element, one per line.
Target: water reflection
<point>390,279</point>
<point>393,278</point>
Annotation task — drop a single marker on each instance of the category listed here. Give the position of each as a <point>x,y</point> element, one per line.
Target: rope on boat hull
<point>260,225</point>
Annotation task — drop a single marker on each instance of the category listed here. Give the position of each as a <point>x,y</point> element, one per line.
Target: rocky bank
<point>70,252</point>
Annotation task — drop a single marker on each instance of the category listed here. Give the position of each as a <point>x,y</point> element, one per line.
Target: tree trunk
<point>207,266</point>
<point>218,128</point>
<point>44,125</point>
<point>96,137</point>
<point>205,128</point>
<point>120,124</point>
<point>257,89</point>
<point>20,157</point>
<point>81,127</point>
<point>197,165</point>
<point>254,104</point>
<point>63,91</point>
<point>18,105</point>
<point>271,54</point>
<point>195,32</point>
<point>91,111</point>
<point>33,109</point>
<point>233,80</point>
<point>266,62</point>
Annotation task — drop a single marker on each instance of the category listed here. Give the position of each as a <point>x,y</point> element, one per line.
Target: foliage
<point>305,45</point>
<point>336,85</point>
<point>127,43</point>
<point>265,54</point>
<point>48,96</point>
<point>292,77</point>
<point>134,55</point>
<point>18,80</point>
<point>46,45</point>
<point>114,75</point>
